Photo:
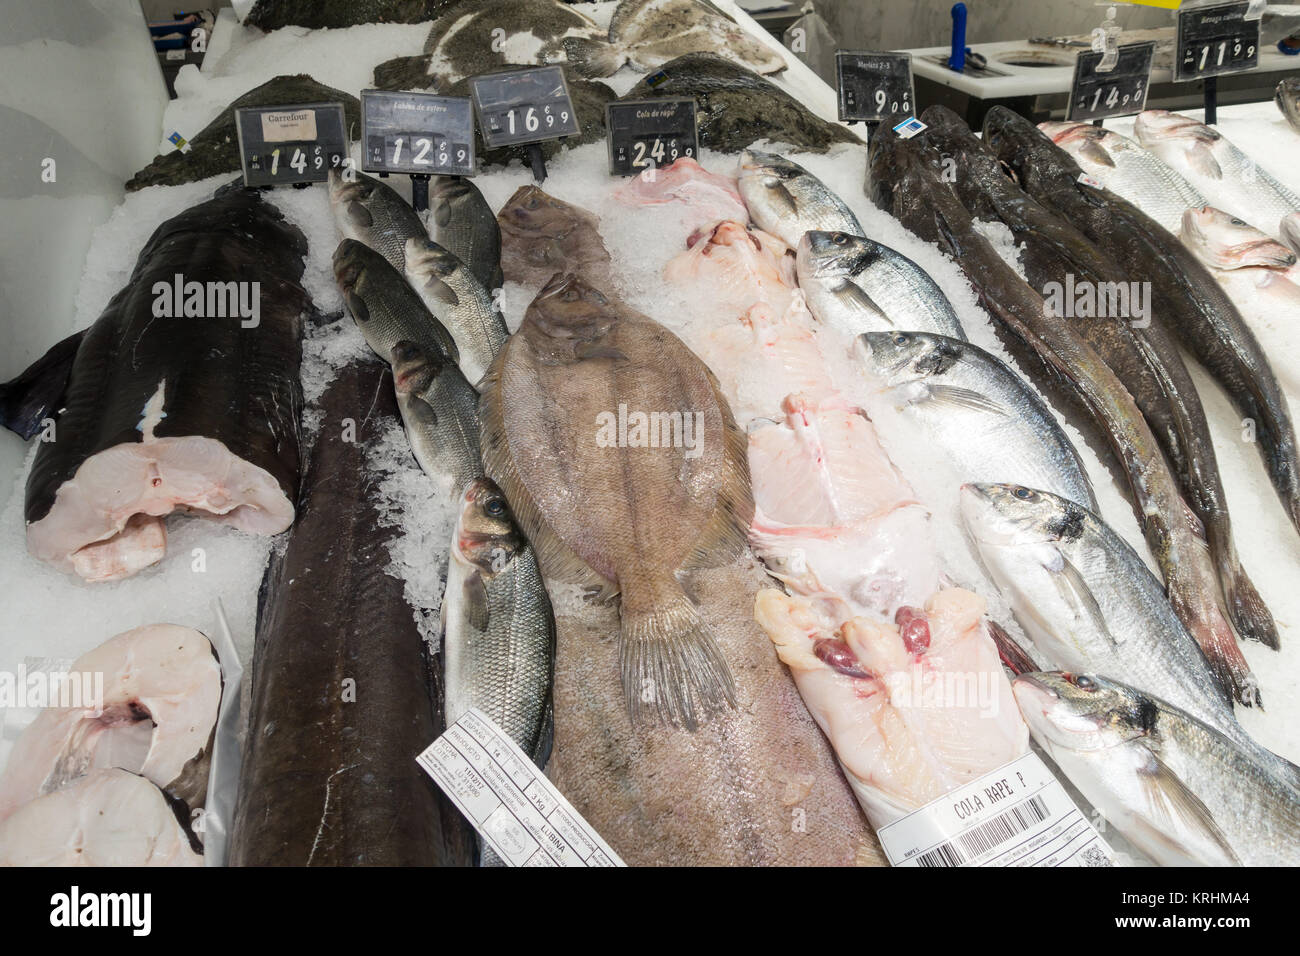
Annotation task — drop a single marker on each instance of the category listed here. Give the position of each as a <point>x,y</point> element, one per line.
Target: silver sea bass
<point>1178,789</point>
<point>786,200</point>
<point>857,285</point>
<point>989,423</point>
<point>440,414</point>
<point>371,212</point>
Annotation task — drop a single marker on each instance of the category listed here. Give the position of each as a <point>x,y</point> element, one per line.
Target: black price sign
<point>417,133</point>
<point>1120,92</point>
<point>523,106</point>
<point>1215,40</point>
<point>874,86</point>
<point>283,145</point>
<point>647,133</point>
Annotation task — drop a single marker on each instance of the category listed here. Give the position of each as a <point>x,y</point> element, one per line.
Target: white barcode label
<point>516,810</point>
<point>1018,815</point>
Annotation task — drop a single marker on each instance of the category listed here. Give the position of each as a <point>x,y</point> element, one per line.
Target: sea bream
<point>646,34</point>
<point>1226,176</point>
<point>568,411</point>
<point>1179,790</point>
<point>857,285</point>
<point>542,235</point>
<point>913,708</point>
<point>181,396</point>
<point>150,710</point>
<point>788,201</point>
<point>343,692</point>
<point>967,403</point>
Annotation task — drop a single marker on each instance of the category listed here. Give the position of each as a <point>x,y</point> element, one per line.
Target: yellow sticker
<point>1162,4</point>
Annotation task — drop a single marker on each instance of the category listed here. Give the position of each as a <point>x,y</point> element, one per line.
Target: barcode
<point>987,835</point>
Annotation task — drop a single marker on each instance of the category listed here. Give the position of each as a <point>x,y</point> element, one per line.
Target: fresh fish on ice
<point>857,285</point>
<point>913,709</point>
<point>343,694</point>
<point>710,198</point>
<point>197,411</point>
<point>646,34</point>
<point>371,212</point>
<point>788,201</point>
<point>107,818</point>
<point>986,419</point>
<point>461,221</point>
<point>1287,98</point>
<point>439,410</point>
<point>542,235</point>
<point>1179,790</point>
<point>604,499</point>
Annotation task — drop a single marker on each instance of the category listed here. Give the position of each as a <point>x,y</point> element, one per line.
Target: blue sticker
<point>910,127</point>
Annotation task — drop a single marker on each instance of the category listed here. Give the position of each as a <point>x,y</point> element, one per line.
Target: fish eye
<point>532,202</point>
<point>840,239</point>
<point>901,338</point>
<point>495,507</point>
<point>1024,494</point>
<point>1085,683</point>
<point>1237,222</point>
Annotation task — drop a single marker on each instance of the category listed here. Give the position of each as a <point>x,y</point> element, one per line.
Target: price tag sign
<point>1215,40</point>
<point>648,133</point>
<point>1121,92</point>
<point>874,86</point>
<point>283,145</point>
<point>417,133</point>
<point>523,106</point>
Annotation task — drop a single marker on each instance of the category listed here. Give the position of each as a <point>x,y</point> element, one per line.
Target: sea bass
<point>371,212</point>
<point>542,235</point>
<point>1125,168</point>
<point>787,200</point>
<point>1180,791</point>
<point>881,693</point>
<point>440,414</point>
<point>967,402</point>
<point>1287,98</point>
<point>857,285</point>
<point>461,221</point>
<point>460,303</point>
<point>646,34</point>
<point>1226,176</point>
<point>567,413</point>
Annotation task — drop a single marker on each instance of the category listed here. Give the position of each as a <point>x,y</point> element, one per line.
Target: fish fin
<point>1201,158</point>
<point>557,560</point>
<point>546,739</point>
<point>439,291</point>
<point>1246,609</point>
<point>37,393</point>
<point>1075,592</point>
<point>783,199</point>
<point>955,396</point>
<point>669,658</point>
<point>442,214</point>
<point>1097,154</point>
<point>726,537</point>
<point>476,602</point>
<point>852,295</point>
<point>1173,806</point>
<point>593,58</point>
<point>1014,657</point>
<point>585,350</point>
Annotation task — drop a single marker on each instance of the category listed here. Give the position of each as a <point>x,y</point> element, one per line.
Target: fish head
<point>568,317</point>
<point>1287,97</point>
<point>824,255</point>
<point>768,181</point>
<point>531,211</point>
<point>944,119</point>
<point>1156,126</point>
<point>901,357</point>
<point>425,259</point>
<point>486,533</point>
<point>1290,231</point>
<point>450,188</point>
<point>1082,712</point>
<point>352,261</point>
<point>414,368</point>
<point>1013,516</point>
<point>1225,242</point>
<point>1025,152</point>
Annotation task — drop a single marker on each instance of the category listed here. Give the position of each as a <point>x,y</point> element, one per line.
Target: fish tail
<point>593,58</point>
<point>670,660</point>
<point>1212,633</point>
<point>1246,609</point>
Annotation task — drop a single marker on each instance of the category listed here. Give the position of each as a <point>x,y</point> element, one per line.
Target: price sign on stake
<point>417,133</point>
<point>523,106</point>
<point>1121,92</point>
<point>1215,40</point>
<point>649,133</point>
<point>874,86</point>
<point>283,145</point>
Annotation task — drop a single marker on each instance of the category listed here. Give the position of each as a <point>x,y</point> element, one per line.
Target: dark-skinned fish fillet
<point>329,777</point>
<point>190,412</point>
